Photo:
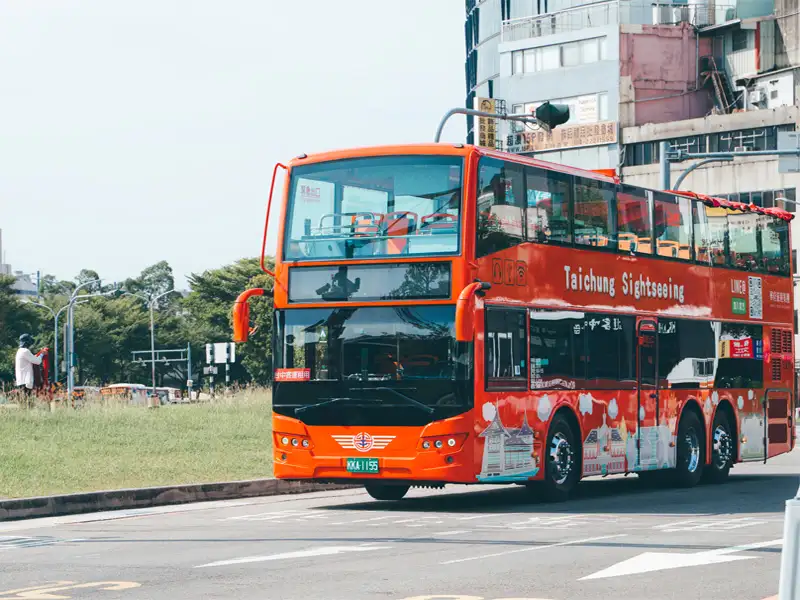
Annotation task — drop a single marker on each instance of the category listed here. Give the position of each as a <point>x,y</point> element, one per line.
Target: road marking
<point>45,592</point>
<point>362,520</point>
<point>452,532</point>
<point>14,542</point>
<point>659,561</point>
<point>113,515</point>
<point>721,524</point>
<point>532,548</point>
<point>322,551</point>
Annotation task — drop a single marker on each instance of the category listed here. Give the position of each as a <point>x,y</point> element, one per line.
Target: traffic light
<point>552,115</point>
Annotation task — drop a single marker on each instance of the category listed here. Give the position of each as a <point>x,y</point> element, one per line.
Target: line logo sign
<point>363,442</point>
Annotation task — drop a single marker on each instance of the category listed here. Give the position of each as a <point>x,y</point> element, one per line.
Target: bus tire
<point>386,491</point>
<point>723,449</point>
<point>691,454</point>
<point>562,462</point>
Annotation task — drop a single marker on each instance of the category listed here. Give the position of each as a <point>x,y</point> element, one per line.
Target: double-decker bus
<point>450,314</point>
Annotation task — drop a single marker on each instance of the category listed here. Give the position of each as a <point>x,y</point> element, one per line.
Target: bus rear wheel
<point>562,461</point>
<point>386,491</point>
<point>691,451</point>
<point>723,450</point>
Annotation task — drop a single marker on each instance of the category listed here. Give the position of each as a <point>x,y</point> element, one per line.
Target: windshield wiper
<point>408,399</point>
<point>323,403</point>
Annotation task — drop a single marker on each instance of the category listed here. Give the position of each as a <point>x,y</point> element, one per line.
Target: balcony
<point>601,14</point>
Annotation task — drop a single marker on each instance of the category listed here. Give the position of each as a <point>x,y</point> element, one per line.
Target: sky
<point>134,132</point>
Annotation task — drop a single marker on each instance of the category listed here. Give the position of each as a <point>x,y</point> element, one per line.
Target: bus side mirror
<point>465,307</point>
<point>241,314</point>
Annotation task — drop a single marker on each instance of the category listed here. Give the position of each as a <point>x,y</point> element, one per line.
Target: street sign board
<point>189,383</point>
<point>788,140</point>
<point>220,353</point>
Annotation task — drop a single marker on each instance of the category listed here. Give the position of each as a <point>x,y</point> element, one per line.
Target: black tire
<point>723,449</point>
<point>691,441</point>
<point>386,491</point>
<point>562,461</point>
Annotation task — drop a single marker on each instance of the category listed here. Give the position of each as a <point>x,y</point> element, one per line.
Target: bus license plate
<point>362,465</point>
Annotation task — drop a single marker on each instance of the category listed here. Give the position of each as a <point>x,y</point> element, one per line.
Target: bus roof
<point>442,150</point>
<point>456,149</point>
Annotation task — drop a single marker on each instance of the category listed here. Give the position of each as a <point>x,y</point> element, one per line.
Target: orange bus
<point>450,314</point>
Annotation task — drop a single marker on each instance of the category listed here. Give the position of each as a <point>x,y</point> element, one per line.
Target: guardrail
<point>600,14</point>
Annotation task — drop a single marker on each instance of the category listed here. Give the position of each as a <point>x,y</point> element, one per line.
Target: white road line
<point>361,521</point>
<point>486,516</point>
<point>322,551</point>
<point>113,515</point>
<point>746,547</point>
<point>721,524</point>
<point>452,532</point>
<point>532,548</point>
<point>648,562</point>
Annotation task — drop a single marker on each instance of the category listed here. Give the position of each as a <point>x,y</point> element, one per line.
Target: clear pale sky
<point>132,132</point>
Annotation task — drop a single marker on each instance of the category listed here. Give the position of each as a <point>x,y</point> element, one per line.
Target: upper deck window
<point>500,206</point>
<point>375,208</point>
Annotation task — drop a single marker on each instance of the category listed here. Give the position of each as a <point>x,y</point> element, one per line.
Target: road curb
<point>72,504</point>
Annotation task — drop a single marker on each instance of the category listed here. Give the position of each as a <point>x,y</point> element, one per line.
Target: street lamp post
<point>151,302</point>
<point>70,350</point>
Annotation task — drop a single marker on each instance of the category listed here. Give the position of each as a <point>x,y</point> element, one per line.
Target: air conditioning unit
<point>757,96</point>
<point>741,149</point>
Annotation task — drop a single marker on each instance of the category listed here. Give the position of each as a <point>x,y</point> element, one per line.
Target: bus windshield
<point>371,364</point>
<point>374,207</point>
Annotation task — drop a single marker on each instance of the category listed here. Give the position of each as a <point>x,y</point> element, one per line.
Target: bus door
<point>779,421</point>
<point>647,384</point>
<point>778,401</point>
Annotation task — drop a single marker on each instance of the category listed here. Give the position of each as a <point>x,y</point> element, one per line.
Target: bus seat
<point>366,224</point>
<point>397,224</point>
<point>668,248</point>
<point>626,242</point>
<point>439,223</point>
<point>644,245</point>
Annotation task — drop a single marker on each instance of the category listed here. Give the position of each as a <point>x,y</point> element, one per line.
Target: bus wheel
<point>562,466</point>
<point>722,450</point>
<point>691,451</point>
<point>386,491</point>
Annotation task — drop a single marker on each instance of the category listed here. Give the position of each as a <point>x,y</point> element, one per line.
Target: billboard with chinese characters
<point>563,137</point>
<point>487,128</point>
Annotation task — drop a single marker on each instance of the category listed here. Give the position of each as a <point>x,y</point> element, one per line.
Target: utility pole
<point>667,156</point>
<point>547,117</point>
<point>151,302</point>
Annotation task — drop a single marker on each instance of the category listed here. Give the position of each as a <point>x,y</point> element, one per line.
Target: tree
<point>153,281</point>
<point>89,275</point>
<point>209,315</point>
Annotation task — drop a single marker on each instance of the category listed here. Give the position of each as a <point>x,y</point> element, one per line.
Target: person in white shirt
<point>24,364</point>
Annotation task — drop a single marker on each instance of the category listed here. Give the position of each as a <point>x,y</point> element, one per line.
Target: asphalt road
<point>617,539</point>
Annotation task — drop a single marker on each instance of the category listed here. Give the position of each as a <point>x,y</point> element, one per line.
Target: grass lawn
<point>99,448</point>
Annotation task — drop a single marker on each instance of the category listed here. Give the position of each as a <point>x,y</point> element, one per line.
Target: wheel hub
<point>692,446</point>
<point>723,447</point>
<point>561,458</point>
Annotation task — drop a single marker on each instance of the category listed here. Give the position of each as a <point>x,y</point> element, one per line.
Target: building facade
<point>703,75</point>
<point>24,284</point>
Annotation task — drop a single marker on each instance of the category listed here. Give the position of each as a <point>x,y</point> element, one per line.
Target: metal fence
<point>600,14</point>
